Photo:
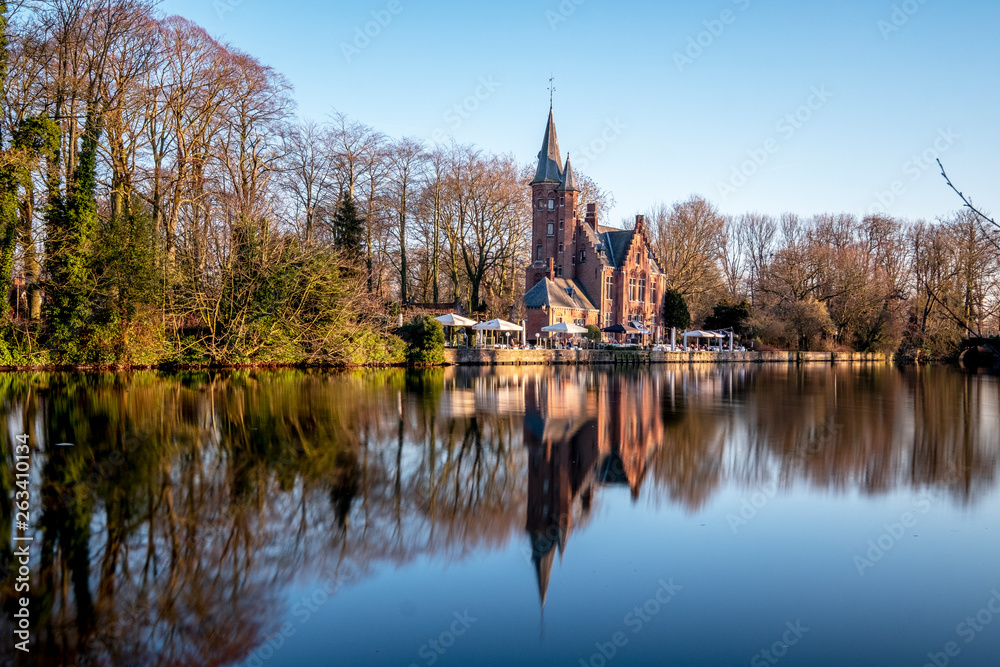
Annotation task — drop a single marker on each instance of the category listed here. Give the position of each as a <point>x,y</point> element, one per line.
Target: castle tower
<point>553,212</point>
<point>567,193</point>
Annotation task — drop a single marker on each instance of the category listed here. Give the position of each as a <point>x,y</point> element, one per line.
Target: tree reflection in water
<point>169,532</point>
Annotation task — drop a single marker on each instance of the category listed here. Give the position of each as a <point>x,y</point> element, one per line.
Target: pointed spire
<point>569,178</point>
<point>549,162</point>
<point>543,571</point>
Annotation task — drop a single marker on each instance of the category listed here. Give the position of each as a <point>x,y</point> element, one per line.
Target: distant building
<point>581,271</point>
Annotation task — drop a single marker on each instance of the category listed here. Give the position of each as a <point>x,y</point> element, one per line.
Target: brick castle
<point>581,271</point>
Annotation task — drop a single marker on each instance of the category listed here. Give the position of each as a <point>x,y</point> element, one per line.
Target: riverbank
<point>494,357</point>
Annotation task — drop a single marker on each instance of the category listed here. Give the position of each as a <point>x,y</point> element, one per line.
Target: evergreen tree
<point>675,310</point>
<point>729,316</point>
<point>69,240</point>
<point>349,231</point>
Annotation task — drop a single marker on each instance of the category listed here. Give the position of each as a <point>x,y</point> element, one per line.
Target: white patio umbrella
<point>698,333</point>
<point>642,329</point>
<point>565,327</point>
<point>453,320</point>
<point>498,325</point>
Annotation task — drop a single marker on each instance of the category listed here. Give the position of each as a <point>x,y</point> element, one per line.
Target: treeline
<point>876,283</point>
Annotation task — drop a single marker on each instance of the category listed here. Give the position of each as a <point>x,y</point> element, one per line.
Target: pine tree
<point>675,310</point>
<point>349,231</point>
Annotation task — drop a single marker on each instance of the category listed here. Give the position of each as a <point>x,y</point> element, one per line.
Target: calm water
<point>741,515</point>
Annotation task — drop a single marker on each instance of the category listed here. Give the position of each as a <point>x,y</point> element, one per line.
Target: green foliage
<point>727,315</point>
<point>593,333</point>
<point>424,339</point>
<point>370,347</point>
<point>675,310</point>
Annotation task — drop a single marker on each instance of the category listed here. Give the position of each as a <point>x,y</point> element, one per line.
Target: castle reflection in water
<point>579,436</point>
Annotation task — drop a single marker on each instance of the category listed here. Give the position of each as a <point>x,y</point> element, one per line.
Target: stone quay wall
<point>500,357</point>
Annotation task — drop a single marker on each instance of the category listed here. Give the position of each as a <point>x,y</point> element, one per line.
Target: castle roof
<point>558,293</point>
<point>616,243</point>
<point>549,163</point>
<point>569,179</point>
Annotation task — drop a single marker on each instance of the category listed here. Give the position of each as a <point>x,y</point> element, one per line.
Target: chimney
<point>591,218</point>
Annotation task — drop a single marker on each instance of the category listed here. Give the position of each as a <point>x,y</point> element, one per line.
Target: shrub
<point>424,339</point>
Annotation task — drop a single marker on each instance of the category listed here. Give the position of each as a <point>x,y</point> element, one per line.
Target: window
<point>652,291</point>
<point>580,322</point>
<point>573,260</point>
<point>642,289</point>
<point>609,286</point>
<point>541,204</point>
<point>551,229</point>
<point>631,289</point>
<point>561,224</point>
<point>607,320</point>
<point>538,252</point>
<point>552,204</point>
<point>559,271</point>
<point>583,256</point>
<point>560,247</point>
<point>558,320</point>
<point>562,201</point>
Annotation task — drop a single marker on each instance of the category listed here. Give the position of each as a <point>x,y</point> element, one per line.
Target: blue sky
<point>759,105</point>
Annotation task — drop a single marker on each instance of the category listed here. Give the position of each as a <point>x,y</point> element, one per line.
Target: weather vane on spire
<point>552,89</point>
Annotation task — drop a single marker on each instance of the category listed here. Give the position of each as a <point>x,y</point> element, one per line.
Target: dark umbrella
<point>620,329</point>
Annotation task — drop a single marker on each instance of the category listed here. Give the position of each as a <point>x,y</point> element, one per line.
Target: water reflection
<point>190,503</point>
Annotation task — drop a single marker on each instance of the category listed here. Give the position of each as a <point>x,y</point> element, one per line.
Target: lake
<point>681,515</point>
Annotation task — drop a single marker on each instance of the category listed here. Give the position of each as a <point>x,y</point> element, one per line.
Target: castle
<point>581,271</point>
